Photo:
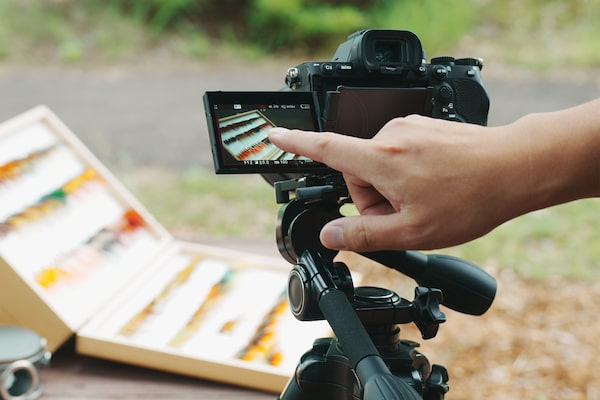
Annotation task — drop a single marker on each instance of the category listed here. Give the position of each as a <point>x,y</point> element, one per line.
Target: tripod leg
<point>373,373</point>
<point>323,373</point>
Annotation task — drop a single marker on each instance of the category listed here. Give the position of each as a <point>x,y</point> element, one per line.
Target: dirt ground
<point>537,341</point>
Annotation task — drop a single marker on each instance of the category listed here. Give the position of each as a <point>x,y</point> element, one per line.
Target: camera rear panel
<point>362,112</point>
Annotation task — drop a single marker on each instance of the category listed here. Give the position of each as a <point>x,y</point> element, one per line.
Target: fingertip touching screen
<point>239,123</point>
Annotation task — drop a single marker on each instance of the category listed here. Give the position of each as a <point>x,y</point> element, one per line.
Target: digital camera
<point>374,76</point>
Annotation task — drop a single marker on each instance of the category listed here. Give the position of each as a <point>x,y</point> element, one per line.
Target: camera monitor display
<point>239,123</point>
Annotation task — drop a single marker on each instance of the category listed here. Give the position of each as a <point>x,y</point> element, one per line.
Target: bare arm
<point>423,183</point>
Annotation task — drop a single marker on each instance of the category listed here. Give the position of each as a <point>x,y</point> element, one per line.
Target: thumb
<point>361,233</point>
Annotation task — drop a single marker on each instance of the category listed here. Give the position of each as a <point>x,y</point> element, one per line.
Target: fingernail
<point>277,130</point>
<point>332,236</point>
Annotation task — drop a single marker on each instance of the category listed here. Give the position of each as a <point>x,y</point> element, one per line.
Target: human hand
<point>420,183</point>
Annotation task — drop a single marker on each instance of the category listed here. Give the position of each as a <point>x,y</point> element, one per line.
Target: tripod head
<point>320,288</point>
<point>466,288</point>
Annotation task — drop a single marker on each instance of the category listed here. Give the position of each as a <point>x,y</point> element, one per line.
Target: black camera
<point>375,76</point>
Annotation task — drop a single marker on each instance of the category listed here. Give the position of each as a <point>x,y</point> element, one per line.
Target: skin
<point>422,183</point>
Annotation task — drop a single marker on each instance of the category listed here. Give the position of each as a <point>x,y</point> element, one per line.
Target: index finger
<point>330,148</point>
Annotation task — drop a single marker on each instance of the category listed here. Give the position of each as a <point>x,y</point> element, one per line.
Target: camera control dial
<point>446,93</point>
<point>445,60</point>
<point>471,61</point>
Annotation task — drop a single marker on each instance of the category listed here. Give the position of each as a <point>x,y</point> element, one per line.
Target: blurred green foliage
<point>538,33</point>
<point>543,33</point>
<point>297,25</point>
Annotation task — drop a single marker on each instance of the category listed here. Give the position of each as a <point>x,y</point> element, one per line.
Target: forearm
<point>562,155</point>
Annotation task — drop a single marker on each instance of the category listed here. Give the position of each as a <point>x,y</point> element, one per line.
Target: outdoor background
<point>127,76</point>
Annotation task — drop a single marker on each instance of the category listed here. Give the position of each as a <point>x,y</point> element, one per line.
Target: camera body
<point>383,74</point>
<point>374,77</point>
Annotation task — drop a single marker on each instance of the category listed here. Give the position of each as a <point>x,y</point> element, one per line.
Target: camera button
<point>327,68</point>
<point>344,68</point>
<point>446,92</point>
<point>440,72</point>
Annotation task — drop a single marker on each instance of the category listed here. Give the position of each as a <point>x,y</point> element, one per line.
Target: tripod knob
<point>428,316</point>
<point>437,383</point>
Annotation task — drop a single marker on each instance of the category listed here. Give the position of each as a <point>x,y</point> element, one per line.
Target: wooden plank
<point>73,376</point>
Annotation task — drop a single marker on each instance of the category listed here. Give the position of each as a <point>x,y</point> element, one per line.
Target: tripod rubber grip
<point>346,325</point>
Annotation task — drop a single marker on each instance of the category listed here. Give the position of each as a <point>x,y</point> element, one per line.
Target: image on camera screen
<point>239,123</point>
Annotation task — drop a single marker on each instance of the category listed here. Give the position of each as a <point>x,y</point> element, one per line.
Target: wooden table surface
<point>73,376</point>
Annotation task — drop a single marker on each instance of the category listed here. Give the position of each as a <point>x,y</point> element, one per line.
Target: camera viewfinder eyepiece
<point>385,51</point>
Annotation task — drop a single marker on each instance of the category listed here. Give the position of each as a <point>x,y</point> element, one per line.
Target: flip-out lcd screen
<point>239,123</point>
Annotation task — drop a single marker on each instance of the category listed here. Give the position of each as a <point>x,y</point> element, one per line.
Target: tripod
<point>367,359</point>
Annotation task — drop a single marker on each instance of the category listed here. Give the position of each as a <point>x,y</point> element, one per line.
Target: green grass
<point>33,31</point>
<point>198,202</point>
<point>560,241</point>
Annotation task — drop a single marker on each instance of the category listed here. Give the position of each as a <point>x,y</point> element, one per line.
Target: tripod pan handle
<point>465,287</point>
